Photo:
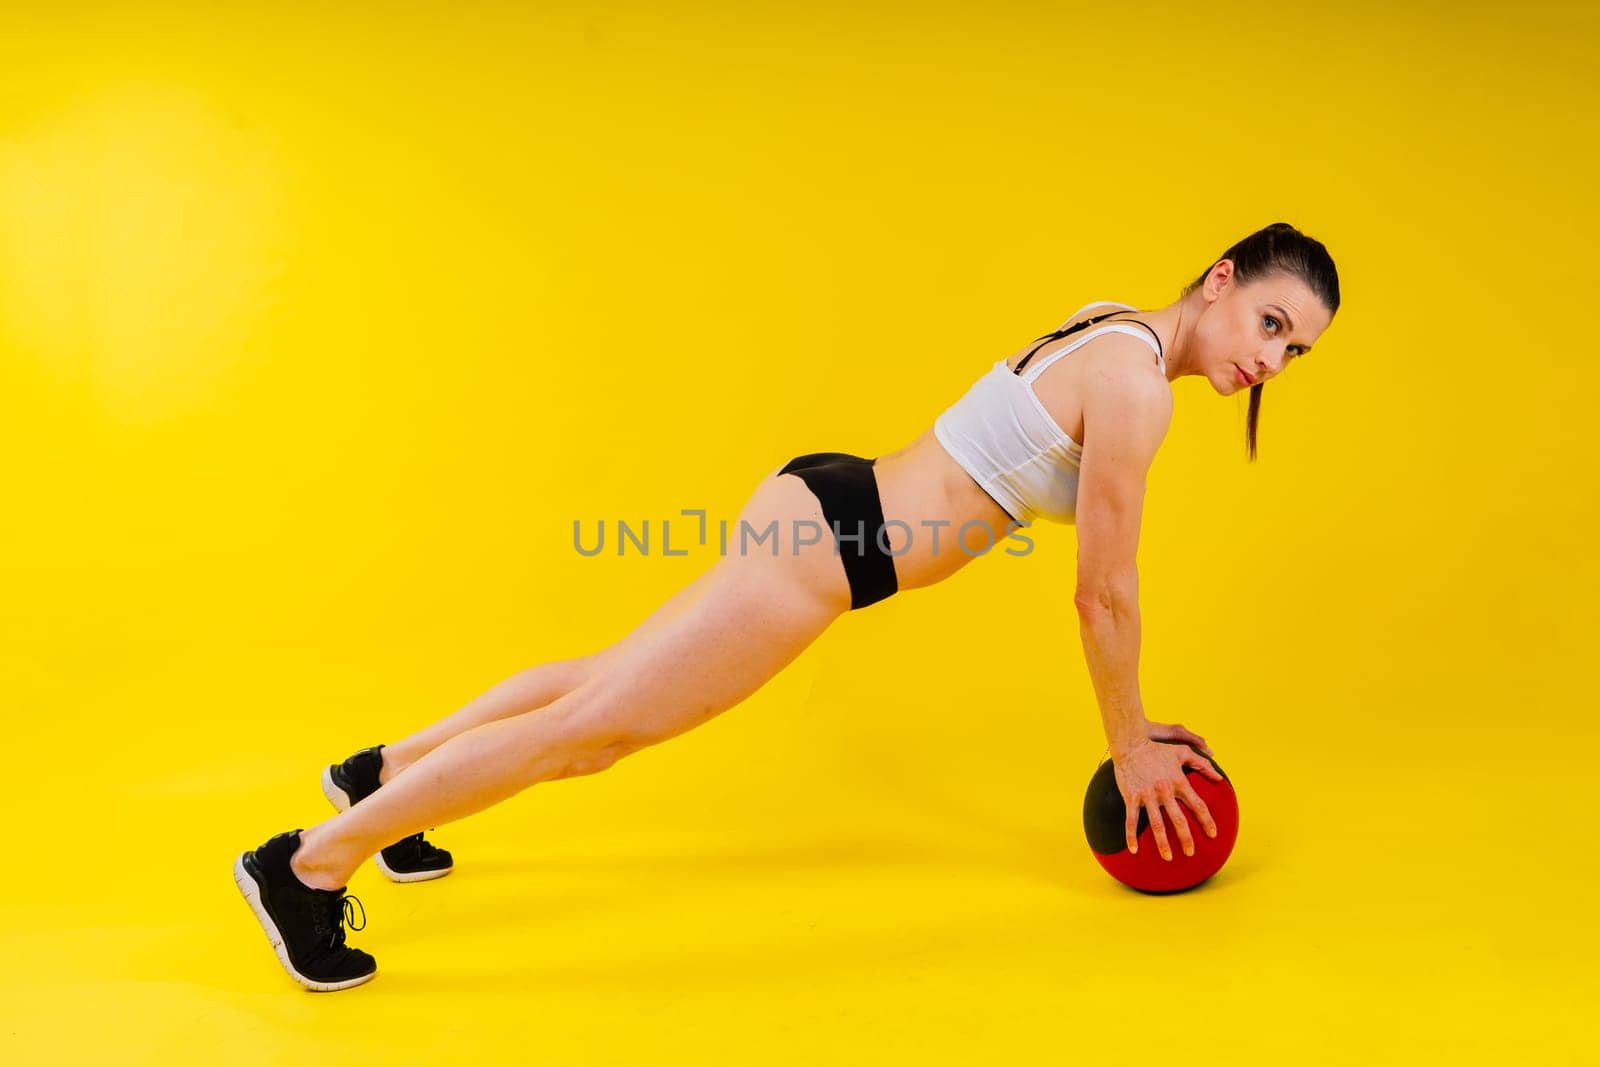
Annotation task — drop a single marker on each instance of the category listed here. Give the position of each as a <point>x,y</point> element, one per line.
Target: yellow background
<point>320,328</point>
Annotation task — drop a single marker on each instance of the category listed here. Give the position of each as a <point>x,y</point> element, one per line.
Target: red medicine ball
<point>1104,815</point>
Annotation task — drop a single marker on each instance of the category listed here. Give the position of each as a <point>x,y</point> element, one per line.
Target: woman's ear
<point>1219,279</point>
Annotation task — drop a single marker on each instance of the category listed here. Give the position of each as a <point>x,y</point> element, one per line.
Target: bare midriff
<point>920,485</point>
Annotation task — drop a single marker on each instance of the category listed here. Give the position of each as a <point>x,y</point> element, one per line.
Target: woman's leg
<point>523,692</point>
<point>741,622</point>
<point>527,690</point>
<point>536,686</point>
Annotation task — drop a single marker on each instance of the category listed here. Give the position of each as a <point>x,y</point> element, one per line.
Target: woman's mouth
<point>1244,379</point>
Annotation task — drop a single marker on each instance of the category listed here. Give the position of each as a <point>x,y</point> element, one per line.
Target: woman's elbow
<point>1102,592</point>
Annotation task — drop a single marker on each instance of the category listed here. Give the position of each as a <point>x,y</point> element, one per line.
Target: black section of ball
<point>1104,812</point>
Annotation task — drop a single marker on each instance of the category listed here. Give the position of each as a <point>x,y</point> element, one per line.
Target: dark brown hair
<point>1277,249</point>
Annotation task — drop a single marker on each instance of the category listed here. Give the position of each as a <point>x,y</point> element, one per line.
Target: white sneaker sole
<point>341,802</point>
<point>252,896</point>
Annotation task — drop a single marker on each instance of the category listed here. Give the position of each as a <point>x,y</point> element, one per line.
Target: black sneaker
<point>305,925</point>
<point>410,859</point>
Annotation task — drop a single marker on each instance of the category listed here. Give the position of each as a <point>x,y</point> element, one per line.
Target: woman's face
<point>1254,329</point>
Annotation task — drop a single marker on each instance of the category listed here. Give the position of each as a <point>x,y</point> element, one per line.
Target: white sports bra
<point>1001,434</point>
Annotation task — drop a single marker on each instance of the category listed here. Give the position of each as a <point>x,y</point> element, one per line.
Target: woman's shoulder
<point>1119,379</point>
<point>1112,343</point>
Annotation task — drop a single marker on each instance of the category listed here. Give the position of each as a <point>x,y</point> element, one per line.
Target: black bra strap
<point>1056,336</point>
<point>1074,328</point>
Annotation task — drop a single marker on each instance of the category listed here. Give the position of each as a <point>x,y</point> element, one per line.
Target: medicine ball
<point>1104,815</point>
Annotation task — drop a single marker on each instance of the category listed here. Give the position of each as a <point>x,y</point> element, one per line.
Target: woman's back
<point>1018,432</point>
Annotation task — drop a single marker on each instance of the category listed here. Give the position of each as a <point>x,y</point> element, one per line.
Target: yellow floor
<point>802,881</point>
<point>320,330</point>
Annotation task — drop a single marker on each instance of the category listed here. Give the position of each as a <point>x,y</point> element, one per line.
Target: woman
<point>1039,435</point>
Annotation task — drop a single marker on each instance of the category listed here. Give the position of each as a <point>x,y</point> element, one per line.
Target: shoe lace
<point>416,846</point>
<point>342,912</point>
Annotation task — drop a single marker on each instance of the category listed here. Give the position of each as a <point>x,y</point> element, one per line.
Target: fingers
<point>1192,800</point>
<point>1203,765</point>
<point>1177,732</point>
<point>1159,826</point>
<point>1180,823</point>
<point>1168,796</point>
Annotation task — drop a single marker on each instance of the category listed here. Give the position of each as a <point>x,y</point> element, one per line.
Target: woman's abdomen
<point>924,488</point>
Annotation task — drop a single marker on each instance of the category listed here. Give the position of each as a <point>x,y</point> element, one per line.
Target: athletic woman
<point>1038,436</point>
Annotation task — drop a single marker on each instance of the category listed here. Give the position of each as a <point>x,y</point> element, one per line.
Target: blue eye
<point>1269,318</point>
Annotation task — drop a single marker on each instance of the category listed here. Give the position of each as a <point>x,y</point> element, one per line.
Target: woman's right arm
<point>1127,407</point>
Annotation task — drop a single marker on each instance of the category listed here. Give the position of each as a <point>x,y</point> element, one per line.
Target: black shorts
<point>847,488</point>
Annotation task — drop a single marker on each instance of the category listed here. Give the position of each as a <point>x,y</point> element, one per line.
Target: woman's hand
<point>1174,732</point>
<point>1150,775</point>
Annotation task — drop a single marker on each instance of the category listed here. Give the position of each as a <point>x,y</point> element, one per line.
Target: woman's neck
<point>1174,324</point>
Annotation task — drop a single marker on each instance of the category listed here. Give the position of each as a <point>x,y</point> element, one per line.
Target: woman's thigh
<point>730,630</point>
<point>671,608</point>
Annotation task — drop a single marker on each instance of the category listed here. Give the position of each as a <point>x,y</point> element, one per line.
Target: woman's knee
<point>555,678</point>
<point>587,740</point>
<point>580,669</point>
<point>595,759</point>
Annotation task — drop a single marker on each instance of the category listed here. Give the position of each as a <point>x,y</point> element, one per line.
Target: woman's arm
<point>1127,407</point>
